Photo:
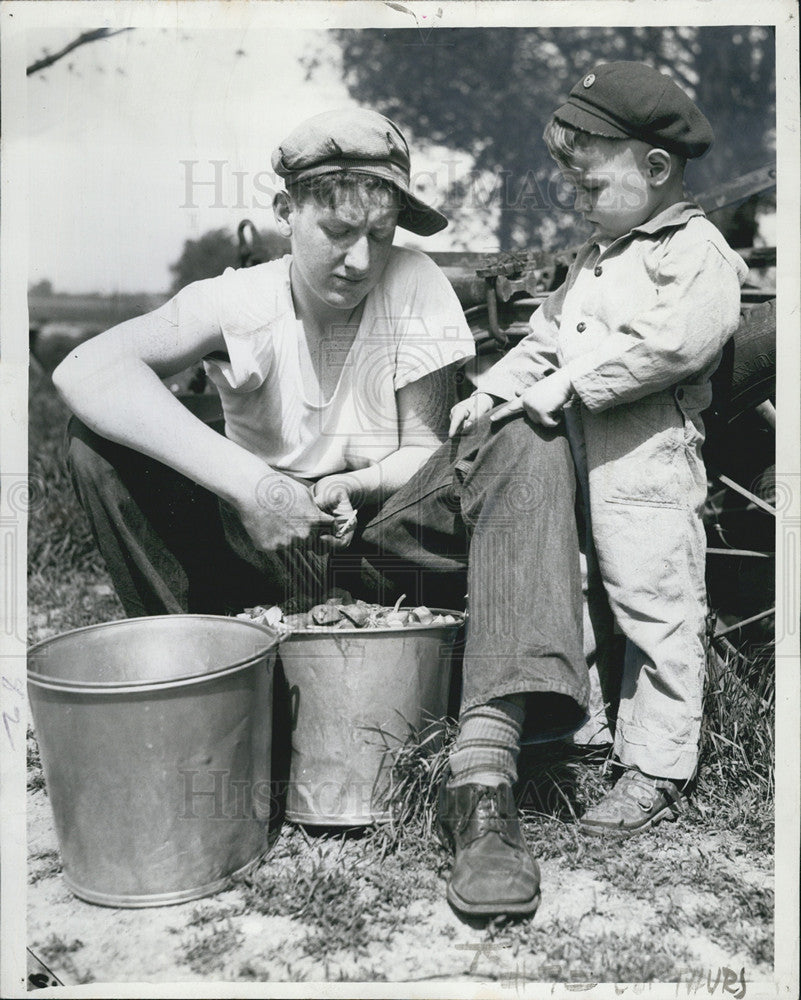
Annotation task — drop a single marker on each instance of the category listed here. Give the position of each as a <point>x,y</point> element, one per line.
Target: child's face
<point>339,253</point>
<point>613,192</point>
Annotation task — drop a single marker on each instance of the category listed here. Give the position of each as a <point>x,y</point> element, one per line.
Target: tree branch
<point>84,39</point>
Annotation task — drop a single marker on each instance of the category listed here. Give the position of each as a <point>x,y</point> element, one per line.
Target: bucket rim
<point>171,898</point>
<point>41,680</point>
<point>323,630</point>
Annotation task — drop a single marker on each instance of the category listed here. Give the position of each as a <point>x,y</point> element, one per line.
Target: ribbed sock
<point>488,743</point>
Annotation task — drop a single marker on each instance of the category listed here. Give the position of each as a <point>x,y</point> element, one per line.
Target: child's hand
<point>542,402</point>
<point>465,414</point>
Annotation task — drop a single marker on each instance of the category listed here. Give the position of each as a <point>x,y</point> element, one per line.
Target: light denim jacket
<point>648,313</point>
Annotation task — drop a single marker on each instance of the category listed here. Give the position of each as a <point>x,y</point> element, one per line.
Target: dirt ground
<point>598,921</point>
<point>689,903</point>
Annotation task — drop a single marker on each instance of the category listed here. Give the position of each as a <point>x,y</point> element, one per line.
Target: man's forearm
<point>128,404</point>
<point>375,483</point>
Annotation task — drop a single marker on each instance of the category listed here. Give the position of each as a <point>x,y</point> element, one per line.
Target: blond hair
<point>564,140</point>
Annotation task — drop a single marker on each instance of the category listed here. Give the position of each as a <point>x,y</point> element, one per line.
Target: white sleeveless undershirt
<point>412,325</point>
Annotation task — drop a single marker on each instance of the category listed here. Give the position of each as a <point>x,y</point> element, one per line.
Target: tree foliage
<point>490,91</point>
<point>214,251</point>
<point>43,288</point>
<point>205,257</point>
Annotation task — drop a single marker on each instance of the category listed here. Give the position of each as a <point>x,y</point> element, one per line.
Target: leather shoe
<point>636,803</point>
<point>493,870</point>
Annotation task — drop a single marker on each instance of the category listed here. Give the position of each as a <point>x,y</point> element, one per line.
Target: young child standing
<point>625,349</point>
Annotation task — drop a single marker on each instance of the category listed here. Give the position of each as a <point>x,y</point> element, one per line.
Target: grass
<point>59,539</point>
<point>67,581</point>
<point>34,772</point>
<point>58,954</point>
<point>55,948</point>
<point>45,864</point>
<point>345,898</point>
<point>209,950</point>
<point>737,776</point>
<point>419,763</point>
<point>555,953</point>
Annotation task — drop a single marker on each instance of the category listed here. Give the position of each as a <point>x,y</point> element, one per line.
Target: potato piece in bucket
<point>326,614</point>
<point>355,613</point>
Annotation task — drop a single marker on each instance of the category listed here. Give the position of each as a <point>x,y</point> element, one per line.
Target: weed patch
<point>33,763</point>
<point>59,539</point>
<point>557,953</point>
<point>418,766</point>
<point>58,953</point>
<point>329,889</point>
<point>55,948</point>
<point>209,949</point>
<point>45,864</point>
<point>209,915</point>
<point>726,927</point>
<point>737,769</point>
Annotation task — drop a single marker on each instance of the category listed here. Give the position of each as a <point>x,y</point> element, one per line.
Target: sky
<point>139,142</point>
<point>123,135</point>
<point>123,132</point>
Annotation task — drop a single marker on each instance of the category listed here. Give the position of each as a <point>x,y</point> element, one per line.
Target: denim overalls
<point>639,325</point>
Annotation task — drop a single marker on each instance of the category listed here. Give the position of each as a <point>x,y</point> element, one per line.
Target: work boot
<point>637,802</point>
<point>493,870</point>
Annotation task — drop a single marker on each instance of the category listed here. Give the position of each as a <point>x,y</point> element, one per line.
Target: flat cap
<point>360,141</point>
<point>633,100</point>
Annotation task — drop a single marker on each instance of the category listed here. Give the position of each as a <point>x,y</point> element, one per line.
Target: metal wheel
<point>740,514</point>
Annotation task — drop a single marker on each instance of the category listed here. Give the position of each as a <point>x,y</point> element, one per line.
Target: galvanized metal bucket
<point>353,694</point>
<point>154,735</point>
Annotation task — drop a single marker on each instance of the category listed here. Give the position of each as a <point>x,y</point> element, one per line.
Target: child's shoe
<point>636,803</point>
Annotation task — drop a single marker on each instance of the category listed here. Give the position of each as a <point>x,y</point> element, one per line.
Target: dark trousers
<point>491,515</point>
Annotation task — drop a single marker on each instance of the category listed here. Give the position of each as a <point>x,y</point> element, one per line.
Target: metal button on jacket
<point>581,327</point>
<point>598,271</point>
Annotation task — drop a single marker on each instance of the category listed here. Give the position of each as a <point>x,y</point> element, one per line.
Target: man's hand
<point>542,402</point>
<point>332,494</point>
<point>281,513</point>
<point>465,414</point>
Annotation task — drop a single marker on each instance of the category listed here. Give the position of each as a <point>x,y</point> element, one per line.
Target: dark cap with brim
<point>359,141</point>
<point>631,100</point>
